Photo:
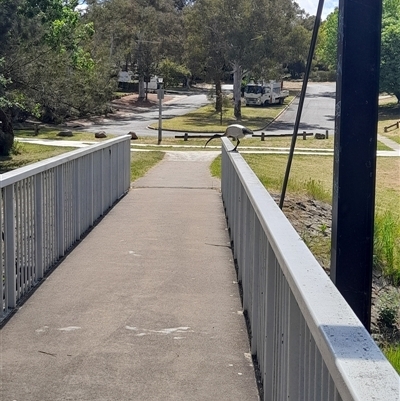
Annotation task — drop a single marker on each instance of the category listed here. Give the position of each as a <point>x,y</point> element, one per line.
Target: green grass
<point>389,113</point>
<point>392,353</point>
<point>247,143</point>
<point>206,119</point>
<point>387,245</point>
<point>141,162</point>
<point>310,175</point>
<point>47,133</point>
<point>313,176</point>
<point>26,153</point>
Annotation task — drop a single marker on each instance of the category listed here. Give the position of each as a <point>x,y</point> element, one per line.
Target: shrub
<point>388,308</point>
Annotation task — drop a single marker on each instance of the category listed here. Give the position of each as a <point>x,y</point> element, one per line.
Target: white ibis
<point>234,131</point>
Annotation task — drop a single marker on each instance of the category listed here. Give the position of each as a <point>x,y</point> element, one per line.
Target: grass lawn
<point>48,133</point>
<point>282,143</point>
<point>313,176</point>
<point>26,153</point>
<point>141,162</point>
<point>392,353</point>
<point>389,114</point>
<point>206,119</point>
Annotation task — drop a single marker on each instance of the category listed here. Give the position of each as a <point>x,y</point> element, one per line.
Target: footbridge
<point>175,287</point>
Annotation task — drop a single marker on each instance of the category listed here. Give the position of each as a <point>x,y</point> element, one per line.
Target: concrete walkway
<point>146,308</point>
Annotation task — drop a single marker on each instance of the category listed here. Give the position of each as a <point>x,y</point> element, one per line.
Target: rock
<point>133,135</point>
<point>100,134</point>
<point>319,136</point>
<point>65,133</point>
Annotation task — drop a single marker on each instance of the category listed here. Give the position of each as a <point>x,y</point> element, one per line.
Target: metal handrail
<point>308,342</point>
<point>46,207</point>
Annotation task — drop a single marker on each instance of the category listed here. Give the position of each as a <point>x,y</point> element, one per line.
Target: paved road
<point>139,122</point>
<point>318,112</point>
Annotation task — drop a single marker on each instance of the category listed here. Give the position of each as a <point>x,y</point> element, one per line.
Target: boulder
<point>100,134</point>
<point>65,133</point>
<point>319,136</point>
<point>133,135</point>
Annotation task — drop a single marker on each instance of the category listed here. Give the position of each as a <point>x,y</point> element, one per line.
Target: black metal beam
<point>357,94</point>
<point>317,23</point>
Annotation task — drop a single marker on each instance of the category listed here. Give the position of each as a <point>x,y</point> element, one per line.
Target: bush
<point>388,308</point>
<point>323,76</point>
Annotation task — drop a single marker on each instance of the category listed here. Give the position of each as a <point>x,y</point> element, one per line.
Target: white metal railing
<point>47,206</point>
<point>308,342</point>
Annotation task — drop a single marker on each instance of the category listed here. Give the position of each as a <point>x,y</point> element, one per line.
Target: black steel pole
<point>317,23</point>
<point>359,36</point>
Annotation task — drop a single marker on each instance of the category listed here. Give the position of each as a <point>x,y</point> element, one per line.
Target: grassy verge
<point>392,353</point>
<point>49,133</point>
<point>141,162</point>
<point>312,176</point>
<point>26,153</point>
<point>255,144</point>
<point>206,119</point>
<point>389,114</point>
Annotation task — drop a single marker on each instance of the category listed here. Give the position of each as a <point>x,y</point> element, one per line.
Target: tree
<point>173,73</point>
<point>257,34</point>
<point>138,34</point>
<point>326,51</point>
<point>6,132</point>
<point>205,48</point>
<point>47,70</point>
<point>297,46</point>
<point>390,48</point>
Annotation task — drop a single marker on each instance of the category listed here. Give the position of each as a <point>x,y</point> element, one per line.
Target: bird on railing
<point>234,131</point>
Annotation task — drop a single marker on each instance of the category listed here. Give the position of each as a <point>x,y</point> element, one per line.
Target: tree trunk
<point>142,92</point>
<point>218,95</point>
<point>6,134</point>
<point>237,81</point>
<point>397,94</point>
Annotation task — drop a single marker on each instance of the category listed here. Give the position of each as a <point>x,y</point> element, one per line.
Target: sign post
<point>160,96</point>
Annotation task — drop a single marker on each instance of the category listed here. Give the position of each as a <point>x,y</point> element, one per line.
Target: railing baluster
<point>39,221</point>
<point>2,266</point>
<point>9,248</point>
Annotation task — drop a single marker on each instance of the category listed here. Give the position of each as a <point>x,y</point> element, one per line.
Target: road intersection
<point>317,116</point>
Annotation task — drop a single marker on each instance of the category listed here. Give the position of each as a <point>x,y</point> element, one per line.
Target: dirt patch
<point>122,108</point>
<point>133,103</point>
<point>293,85</point>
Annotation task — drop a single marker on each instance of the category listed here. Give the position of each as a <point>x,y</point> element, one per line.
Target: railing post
<point>78,195</point>
<point>60,210</point>
<point>128,171</point>
<point>9,249</point>
<point>294,357</point>
<point>91,188</point>
<point>39,225</point>
<point>256,304</point>
<point>270,321</point>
